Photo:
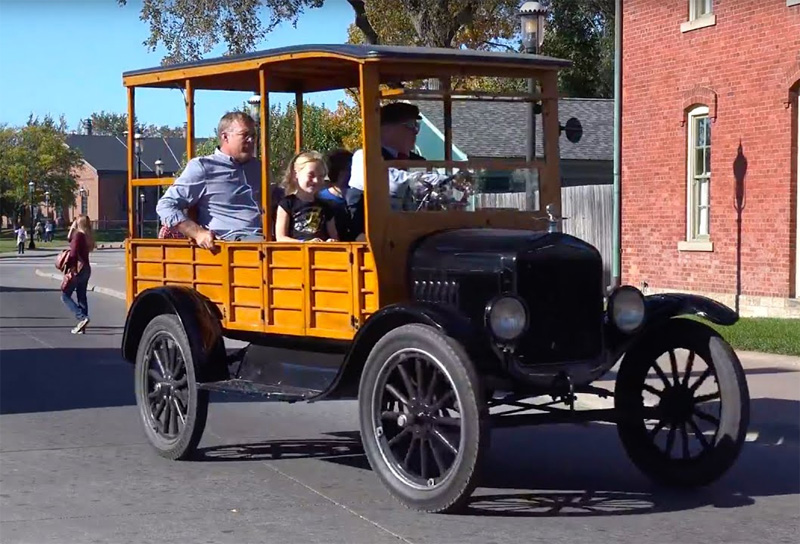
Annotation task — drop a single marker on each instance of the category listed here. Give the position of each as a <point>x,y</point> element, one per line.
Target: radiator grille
<point>565,300</point>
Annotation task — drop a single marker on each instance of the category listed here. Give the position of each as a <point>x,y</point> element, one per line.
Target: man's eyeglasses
<point>244,135</point>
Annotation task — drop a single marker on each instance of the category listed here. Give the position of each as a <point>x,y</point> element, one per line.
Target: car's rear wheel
<point>683,403</point>
<point>423,418</point>
<point>172,408</point>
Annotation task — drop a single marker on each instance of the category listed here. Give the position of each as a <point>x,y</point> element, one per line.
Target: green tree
<point>116,124</point>
<point>36,152</point>
<point>579,30</point>
<point>583,31</point>
<point>189,30</point>
<point>323,130</point>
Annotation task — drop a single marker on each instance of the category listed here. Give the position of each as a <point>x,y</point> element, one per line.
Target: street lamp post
<point>138,147</point>
<point>31,186</point>
<point>254,109</point>
<point>532,19</point>
<point>47,203</point>
<point>141,214</point>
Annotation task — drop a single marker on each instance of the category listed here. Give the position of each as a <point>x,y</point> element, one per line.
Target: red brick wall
<point>85,177</point>
<point>112,199</point>
<point>742,68</point>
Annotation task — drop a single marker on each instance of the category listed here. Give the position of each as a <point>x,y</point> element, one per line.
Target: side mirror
<point>573,129</point>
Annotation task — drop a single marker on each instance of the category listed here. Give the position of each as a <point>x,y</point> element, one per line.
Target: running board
<point>282,393</point>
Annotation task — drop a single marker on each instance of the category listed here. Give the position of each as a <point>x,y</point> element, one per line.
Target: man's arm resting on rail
<point>181,195</point>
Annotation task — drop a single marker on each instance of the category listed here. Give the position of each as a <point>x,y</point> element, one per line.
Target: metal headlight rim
<point>610,312</point>
<point>488,311</point>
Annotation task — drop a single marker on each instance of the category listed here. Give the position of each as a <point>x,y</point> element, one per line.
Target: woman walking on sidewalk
<point>78,271</point>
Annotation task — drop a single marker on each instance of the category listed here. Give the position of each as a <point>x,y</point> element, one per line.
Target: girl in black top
<point>302,216</point>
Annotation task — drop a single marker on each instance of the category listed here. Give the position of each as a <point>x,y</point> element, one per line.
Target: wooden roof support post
<point>266,192</point>
<point>189,120</point>
<point>550,191</point>
<point>448,121</point>
<point>298,122</point>
<point>130,145</point>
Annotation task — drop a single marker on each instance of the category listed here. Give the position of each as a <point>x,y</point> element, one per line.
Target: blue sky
<point>67,57</point>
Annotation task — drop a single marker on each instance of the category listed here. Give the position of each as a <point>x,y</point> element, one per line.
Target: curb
<point>91,287</point>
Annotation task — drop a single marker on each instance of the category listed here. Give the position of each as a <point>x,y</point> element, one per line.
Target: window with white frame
<point>698,175</point>
<point>699,8</point>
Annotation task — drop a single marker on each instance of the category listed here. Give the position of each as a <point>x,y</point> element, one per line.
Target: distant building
<point>489,130</point>
<point>710,194</point>
<point>102,179</point>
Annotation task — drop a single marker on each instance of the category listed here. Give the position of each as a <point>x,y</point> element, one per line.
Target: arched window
<point>698,175</point>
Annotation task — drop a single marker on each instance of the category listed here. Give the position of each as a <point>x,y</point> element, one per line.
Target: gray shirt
<point>225,192</point>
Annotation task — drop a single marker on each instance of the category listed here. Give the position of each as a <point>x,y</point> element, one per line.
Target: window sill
<point>696,245</point>
<point>700,22</point>
<point>790,3</point>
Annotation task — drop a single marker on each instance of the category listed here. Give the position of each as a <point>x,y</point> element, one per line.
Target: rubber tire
<point>187,442</point>
<point>454,493</point>
<point>734,399</point>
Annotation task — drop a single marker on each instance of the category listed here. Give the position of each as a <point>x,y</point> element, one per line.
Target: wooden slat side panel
<point>329,291</point>
<point>365,283</point>
<point>245,287</point>
<point>284,293</point>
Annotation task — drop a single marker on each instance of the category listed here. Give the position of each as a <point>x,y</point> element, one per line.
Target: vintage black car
<point>445,320</point>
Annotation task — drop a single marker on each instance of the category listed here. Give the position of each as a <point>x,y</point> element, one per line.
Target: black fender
<point>669,305</point>
<point>661,308</point>
<point>200,318</point>
<point>448,321</point>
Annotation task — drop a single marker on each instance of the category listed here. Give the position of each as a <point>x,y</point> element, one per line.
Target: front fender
<point>390,317</point>
<point>661,308</point>
<point>668,305</point>
<point>199,317</point>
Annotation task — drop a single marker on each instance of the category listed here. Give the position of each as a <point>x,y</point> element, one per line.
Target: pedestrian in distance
<point>22,235</point>
<point>77,271</point>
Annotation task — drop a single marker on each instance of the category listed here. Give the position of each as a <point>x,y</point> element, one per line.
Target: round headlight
<point>626,308</point>
<point>506,318</point>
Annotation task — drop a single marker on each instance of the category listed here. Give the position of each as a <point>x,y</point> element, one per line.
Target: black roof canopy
<point>370,52</point>
<point>311,67</point>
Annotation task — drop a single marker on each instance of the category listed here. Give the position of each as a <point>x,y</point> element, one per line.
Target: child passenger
<point>302,215</point>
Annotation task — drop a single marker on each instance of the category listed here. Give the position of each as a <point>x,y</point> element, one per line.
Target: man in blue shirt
<point>223,187</point>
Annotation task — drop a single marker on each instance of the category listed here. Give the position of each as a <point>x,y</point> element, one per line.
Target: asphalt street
<point>75,466</point>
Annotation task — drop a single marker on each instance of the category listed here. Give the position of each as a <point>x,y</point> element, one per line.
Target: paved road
<point>75,467</point>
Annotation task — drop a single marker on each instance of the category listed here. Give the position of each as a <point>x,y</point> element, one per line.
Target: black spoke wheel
<point>683,403</point>
<point>422,418</point>
<point>172,408</point>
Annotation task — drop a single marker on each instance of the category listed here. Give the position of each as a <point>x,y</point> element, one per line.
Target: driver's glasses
<point>412,125</point>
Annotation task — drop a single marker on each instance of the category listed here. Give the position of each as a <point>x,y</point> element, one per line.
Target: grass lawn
<point>769,335</point>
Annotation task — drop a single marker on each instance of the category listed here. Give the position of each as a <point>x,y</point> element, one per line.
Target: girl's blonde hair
<point>84,224</point>
<point>289,182</point>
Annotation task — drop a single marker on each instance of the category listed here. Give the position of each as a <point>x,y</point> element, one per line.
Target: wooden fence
<point>588,209</point>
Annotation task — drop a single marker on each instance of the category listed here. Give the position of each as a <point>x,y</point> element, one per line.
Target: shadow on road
<point>47,380</point>
<point>575,471</point>
<point>7,289</point>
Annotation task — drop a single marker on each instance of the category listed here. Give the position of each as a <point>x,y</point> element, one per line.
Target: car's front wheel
<point>172,408</point>
<point>683,404</point>
<point>423,418</point>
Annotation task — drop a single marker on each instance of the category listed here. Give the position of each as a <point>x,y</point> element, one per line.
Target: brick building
<point>102,179</point>
<point>710,196</point>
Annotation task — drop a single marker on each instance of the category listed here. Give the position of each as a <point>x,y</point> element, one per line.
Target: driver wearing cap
<point>399,128</point>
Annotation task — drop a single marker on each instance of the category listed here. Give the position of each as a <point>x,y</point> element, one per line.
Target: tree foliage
<point>583,31</point>
<point>116,124</point>
<point>36,152</point>
<point>580,30</point>
<point>323,130</point>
